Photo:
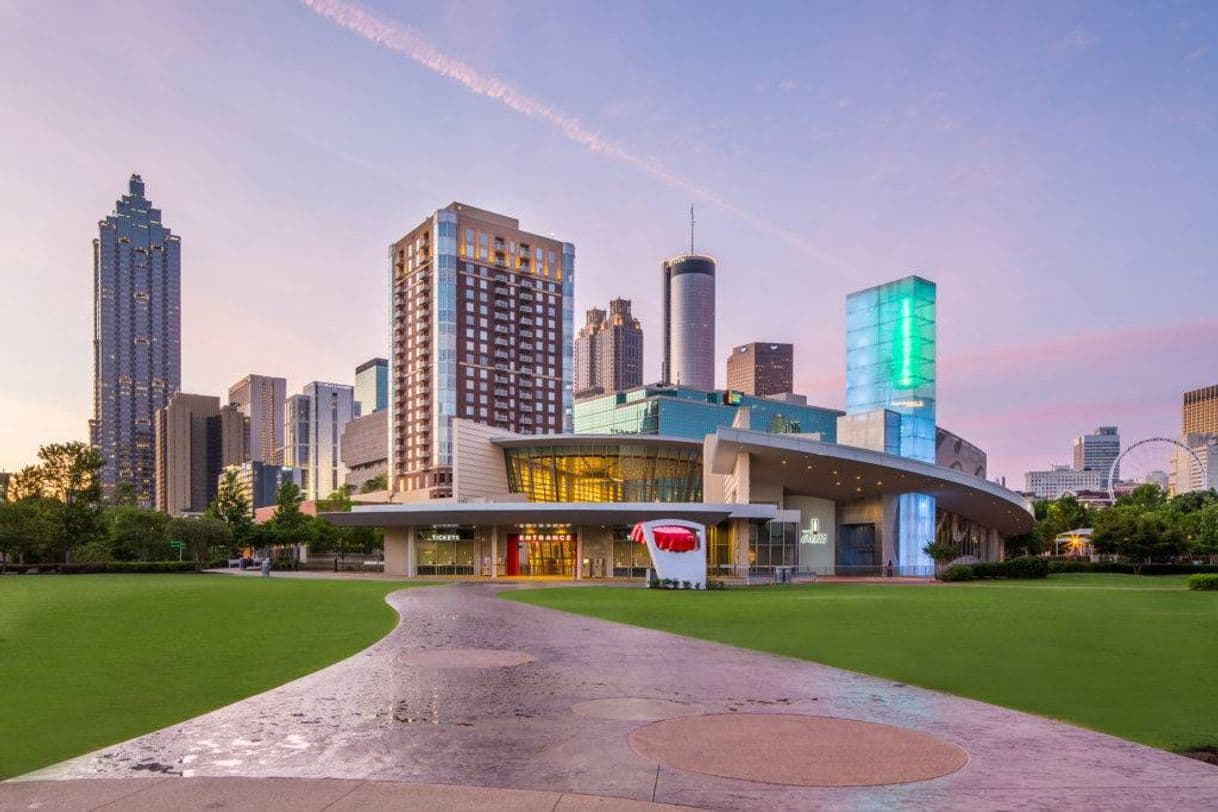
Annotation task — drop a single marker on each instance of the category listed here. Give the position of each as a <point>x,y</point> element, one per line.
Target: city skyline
<point>1064,216</point>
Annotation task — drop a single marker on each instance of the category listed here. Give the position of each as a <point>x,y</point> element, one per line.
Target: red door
<point>511,556</point>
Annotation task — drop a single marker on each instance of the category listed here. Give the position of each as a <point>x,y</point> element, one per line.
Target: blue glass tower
<point>890,364</point>
<point>137,338</point>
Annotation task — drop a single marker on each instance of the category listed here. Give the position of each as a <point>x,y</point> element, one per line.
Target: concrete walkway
<point>421,707</point>
<point>293,795</point>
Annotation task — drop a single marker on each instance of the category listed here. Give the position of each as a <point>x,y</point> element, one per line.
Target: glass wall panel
<point>614,472</point>
<point>773,544</point>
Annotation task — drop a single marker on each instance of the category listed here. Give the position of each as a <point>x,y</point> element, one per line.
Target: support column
<point>740,533</point>
<point>495,551</point>
<point>411,553</point>
<point>579,554</point>
<point>397,546</point>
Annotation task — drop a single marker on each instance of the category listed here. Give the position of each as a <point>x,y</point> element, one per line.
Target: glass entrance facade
<point>773,544</point>
<point>446,551</point>
<point>541,551</point>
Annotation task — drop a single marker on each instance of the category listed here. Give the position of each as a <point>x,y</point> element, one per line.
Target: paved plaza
<point>472,691</point>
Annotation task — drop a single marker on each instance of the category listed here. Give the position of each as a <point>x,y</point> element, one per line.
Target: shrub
<point>95,568</point>
<point>990,569</point>
<point>1027,567</point>
<point>957,572</point>
<point>1203,582</point>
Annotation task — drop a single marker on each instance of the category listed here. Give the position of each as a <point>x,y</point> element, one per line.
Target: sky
<point>1052,166</point>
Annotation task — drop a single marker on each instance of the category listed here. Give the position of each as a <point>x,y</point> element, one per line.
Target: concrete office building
<point>761,369</point>
<point>372,385</point>
<point>137,338</point>
<point>261,398</point>
<point>482,322</point>
<point>1201,411</point>
<point>195,438</point>
<point>259,481</point>
<point>688,301</point>
<point>1060,480</point>
<point>1097,452</point>
<point>313,428</point>
<point>365,448</point>
<point>608,351</point>
<point>890,368</point>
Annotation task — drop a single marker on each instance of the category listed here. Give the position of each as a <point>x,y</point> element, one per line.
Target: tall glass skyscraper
<point>137,338</point>
<point>890,364</point>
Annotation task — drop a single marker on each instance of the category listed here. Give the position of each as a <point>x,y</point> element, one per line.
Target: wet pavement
<point>429,705</point>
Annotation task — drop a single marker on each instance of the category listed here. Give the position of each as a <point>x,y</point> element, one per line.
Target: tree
<point>202,536</point>
<point>27,484</point>
<point>1143,498</point>
<point>942,553</point>
<point>231,507</point>
<point>1139,537</point>
<point>1060,515</point>
<point>340,540</point>
<point>138,534</point>
<point>124,495</point>
<point>380,482</point>
<point>288,525</point>
<point>1205,541</point>
<point>30,528</point>
<point>69,473</point>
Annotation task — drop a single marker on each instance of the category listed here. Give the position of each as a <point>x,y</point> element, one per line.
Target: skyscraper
<point>688,298</point>
<point>609,351</point>
<point>313,429</point>
<point>890,365</point>
<point>482,326</point>
<point>1201,411</point>
<point>761,369</point>
<point>137,338</point>
<point>260,398</point>
<point>195,438</point>
<point>372,385</point>
<point>1097,452</point>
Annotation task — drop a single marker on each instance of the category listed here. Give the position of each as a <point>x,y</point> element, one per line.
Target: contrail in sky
<point>408,43</point>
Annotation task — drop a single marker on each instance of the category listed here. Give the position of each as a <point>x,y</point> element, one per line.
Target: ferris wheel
<point>1162,444</point>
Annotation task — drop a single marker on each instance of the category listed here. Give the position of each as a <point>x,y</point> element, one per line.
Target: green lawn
<point>1135,657</point>
<point>89,660</point>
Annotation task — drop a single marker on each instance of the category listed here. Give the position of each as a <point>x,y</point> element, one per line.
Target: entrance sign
<point>677,547</point>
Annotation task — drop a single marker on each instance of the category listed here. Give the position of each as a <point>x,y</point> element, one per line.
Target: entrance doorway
<point>856,550</point>
<point>541,554</point>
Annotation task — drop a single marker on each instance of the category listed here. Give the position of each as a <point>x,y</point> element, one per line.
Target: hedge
<point>1204,582</point>
<point>1027,567</point>
<point>101,567</point>
<point>1040,567</point>
<point>957,572</point>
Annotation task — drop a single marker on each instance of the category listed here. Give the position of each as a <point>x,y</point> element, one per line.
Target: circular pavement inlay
<point>466,658</point>
<point>806,751</point>
<point>634,709</point>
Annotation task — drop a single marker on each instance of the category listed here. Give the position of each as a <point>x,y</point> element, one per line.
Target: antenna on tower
<point>691,228</point>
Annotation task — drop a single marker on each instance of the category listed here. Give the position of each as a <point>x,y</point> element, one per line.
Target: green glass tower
<point>890,364</point>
